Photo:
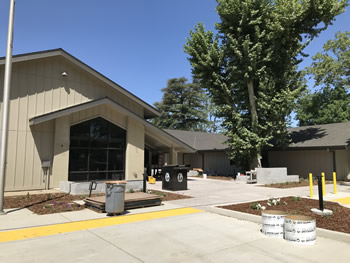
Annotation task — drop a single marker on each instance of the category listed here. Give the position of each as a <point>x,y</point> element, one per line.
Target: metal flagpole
<point>5,105</point>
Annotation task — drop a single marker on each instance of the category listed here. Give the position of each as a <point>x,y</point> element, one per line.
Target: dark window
<point>97,151</point>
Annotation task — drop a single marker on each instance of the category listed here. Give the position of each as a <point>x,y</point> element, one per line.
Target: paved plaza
<point>178,231</point>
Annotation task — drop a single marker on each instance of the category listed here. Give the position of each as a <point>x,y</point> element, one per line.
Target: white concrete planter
<point>272,223</point>
<point>300,230</point>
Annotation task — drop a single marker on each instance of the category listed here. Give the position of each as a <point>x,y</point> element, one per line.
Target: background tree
<point>183,106</point>
<point>331,71</point>
<point>250,67</point>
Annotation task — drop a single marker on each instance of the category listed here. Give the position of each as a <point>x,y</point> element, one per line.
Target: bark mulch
<point>293,184</point>
<point>339,221</point>
<point>169,196</point>
<point>43,204</point>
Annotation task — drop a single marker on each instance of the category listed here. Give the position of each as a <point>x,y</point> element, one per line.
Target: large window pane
<point>115,176</point>
<point>98,160</point>
<point>97,151</point>
<point>78,160</point>
<point>115,160</point>
<point>99,133</point>
<point>80,134</point>
<point>117,137</point>
<point>97,176</point>
<point>78,176</point>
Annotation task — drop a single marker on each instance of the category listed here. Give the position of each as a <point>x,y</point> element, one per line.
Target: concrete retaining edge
<point>339,236</point>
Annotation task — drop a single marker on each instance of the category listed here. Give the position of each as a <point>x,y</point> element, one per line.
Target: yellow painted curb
<point>344,200</point>
<point>41,231</point>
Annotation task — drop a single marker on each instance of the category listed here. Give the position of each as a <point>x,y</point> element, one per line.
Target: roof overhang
<point>311,148</point>
<point>149,111</point>
<point>155,134</point>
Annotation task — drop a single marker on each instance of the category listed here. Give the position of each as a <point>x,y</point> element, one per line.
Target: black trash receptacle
<point>174,177</point>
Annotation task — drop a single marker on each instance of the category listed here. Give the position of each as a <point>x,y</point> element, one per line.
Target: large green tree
<point>330,103</point>
<point>250,66</point>
<point>183,106</point>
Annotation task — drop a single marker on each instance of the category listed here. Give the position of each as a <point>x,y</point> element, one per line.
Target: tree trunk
<point>252,103</point>
<point>256,162</point>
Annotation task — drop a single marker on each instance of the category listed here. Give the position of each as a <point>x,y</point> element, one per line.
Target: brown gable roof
<point>201,141</point>
<point>335,135</point>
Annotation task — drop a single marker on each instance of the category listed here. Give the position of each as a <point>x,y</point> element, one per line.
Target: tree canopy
<point>183,106</point>
<point>330,103</point>
<point>250,66</point>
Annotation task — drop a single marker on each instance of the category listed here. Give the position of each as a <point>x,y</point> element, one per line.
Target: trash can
<point>115,197</point>
<point>174,177</point>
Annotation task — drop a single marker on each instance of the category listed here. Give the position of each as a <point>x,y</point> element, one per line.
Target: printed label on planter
<point>272,223</point>
<point>300,230</point>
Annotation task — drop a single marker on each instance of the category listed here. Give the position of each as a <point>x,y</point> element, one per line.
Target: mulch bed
<point>169,196</point>
<point>43,204</point>
<point>339,221</point>
<point>293,184</point>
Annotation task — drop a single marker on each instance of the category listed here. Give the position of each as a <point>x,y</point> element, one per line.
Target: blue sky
<point>136,43</point>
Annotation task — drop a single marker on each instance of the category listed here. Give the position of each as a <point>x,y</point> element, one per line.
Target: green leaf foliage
<point>330,103</point>
<point>183,106</point>
<point>249,67</point>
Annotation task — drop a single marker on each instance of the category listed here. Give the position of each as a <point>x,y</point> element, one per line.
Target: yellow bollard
<point>311,186</point>
<point>335,182</point>
<point>323,184</point>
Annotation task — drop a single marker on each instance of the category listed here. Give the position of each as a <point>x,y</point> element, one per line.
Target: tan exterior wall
<point>134,155</point>
<point>38,88</point>
<point>343,164</point>
<point>193,159</point>
<point>61,151</point>
<point>216,162</point>
<point>303,162</point>
<point>219,162</point>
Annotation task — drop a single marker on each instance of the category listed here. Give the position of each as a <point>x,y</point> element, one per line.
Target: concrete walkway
<point>209,192</point>
<point>191,237</point>
<point>200,237</point>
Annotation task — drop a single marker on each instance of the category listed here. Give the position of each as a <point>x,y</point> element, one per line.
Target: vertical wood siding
<point>38,88</point>
<point>342,164</point>
<point>303,162</point>
<point>214,162</point>
<point>219,163</point>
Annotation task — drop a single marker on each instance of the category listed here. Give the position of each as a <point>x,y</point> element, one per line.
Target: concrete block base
<point>274,176</point>
<point>242,178</point>
<point>76,188</point>
<point>325,212</point>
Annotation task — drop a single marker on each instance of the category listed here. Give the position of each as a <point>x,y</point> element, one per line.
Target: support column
<point>134,155</point>
<point>172,156</point>
<point>60,163</point>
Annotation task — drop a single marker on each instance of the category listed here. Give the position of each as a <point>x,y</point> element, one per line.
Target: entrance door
<point>97,151</point>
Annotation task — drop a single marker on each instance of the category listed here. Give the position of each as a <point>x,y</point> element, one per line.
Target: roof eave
<point>149,111</point>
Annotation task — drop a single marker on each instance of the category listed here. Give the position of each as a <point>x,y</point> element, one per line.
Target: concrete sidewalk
<point>201,237</point>
<point>209,192</point>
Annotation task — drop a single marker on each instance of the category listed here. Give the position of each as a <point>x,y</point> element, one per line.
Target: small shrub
<point>256,206</point>
<point>131,190</point>
<point>296,198</point>
<point>27,196</point>
<point>275,201</point>
<point>83,196</point>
